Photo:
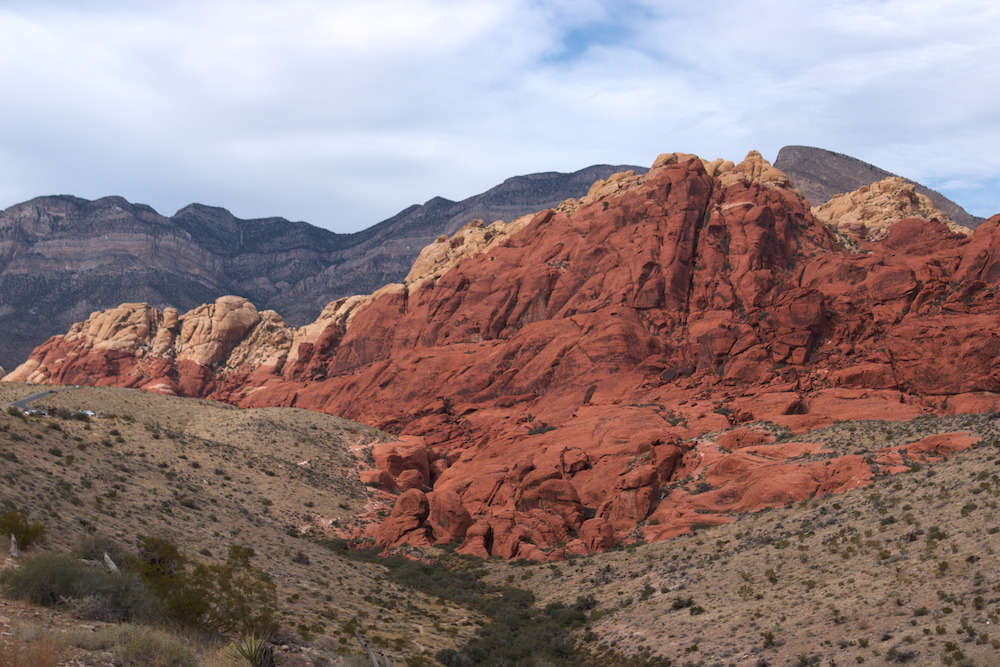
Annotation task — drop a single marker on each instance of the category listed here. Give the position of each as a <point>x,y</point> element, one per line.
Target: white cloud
<point>344,113</point>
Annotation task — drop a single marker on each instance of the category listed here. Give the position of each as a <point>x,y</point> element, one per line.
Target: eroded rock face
<point>136,345</point>
<point>554,380</point>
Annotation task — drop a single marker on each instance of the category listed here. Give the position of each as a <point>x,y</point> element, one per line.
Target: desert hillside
<point>206,476</point>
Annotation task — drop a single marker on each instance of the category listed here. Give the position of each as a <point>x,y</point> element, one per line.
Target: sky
<point>341,113</point>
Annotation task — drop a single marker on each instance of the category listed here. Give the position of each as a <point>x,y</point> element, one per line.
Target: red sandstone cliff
<point>552,377</point>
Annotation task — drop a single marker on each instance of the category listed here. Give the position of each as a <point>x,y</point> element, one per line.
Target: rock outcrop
<point>571,381</point>
<point>871,210</point>
<point>821,175</point>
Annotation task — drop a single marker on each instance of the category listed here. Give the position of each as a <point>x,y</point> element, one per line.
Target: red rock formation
<point>561,368</point>
<point>408,522</point>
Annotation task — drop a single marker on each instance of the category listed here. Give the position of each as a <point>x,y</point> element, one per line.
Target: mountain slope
<point>204,476</point>
<point>558,380</point>
<point>63,257</point>
<point>821,174</point>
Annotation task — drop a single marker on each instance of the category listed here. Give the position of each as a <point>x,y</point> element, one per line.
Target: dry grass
<point>22,649</point>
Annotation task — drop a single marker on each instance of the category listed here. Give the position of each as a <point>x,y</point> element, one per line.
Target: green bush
<point>232,597</point>
<point>159,583</point>
<point>16,523</point>
<point>93,593</point>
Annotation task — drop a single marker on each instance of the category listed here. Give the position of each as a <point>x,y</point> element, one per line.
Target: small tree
<point>239,598</point>
<point>161,563</point>
<point>231,597</point>
<point>26,533</point>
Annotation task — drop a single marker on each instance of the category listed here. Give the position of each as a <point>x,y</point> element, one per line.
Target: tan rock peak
<point>209,332</point>
<point>871,210</point>
<point>621,181</point>
<point>122,328</point>
<point>205,335</point>
<point>473,239</point>
<point>754,168</point>
<point>125,329</point>
<point>267,344</point>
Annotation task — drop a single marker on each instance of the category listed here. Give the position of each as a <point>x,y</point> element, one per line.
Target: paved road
<point>25,403</point>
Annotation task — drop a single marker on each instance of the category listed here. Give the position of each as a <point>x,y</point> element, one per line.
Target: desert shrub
<point>45,579</point>
<point>161,563</point>
<point>16,523</point>
<point>53,579</point>
<point>231,597</point>
<point>449,657</point>
<point>94,547</point>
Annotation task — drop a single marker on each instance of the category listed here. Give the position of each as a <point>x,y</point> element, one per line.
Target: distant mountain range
<point>62,257</point>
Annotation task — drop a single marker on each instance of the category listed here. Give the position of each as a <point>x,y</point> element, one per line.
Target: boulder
<point>407,523</point>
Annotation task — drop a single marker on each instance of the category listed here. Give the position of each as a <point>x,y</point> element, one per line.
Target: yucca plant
<point>254,650</point>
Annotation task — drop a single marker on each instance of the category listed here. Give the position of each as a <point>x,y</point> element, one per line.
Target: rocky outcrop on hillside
<point>572,381</point>
<point>871,210</point>
<point>62,258</point>
<point>821,175</point>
